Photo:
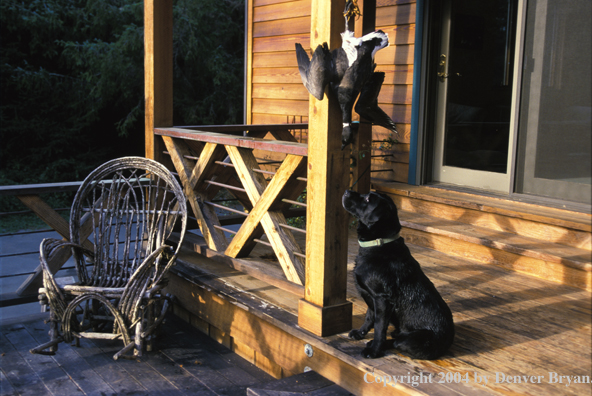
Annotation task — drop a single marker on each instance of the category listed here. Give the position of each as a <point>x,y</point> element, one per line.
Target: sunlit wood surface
<point>509,326</point>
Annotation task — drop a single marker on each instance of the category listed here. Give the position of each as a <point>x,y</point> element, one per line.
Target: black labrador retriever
<point>393,285</point>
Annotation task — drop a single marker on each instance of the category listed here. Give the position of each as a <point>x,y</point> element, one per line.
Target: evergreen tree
<point>71,75</point>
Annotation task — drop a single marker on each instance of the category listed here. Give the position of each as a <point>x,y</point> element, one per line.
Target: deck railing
<point>266,178</point>
<point>33,196</point>
<point>215,159</point>
<point>212,159</point>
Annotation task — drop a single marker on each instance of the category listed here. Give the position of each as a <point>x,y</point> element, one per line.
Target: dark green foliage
<point>209,92</point>
<point>71,75</point>
<point>300,221</point>
<point>72,80</point>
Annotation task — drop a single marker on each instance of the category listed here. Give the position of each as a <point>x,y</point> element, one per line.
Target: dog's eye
<point>367,199</point>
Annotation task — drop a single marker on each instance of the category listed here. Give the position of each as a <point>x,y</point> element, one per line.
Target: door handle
<point>442,75</point>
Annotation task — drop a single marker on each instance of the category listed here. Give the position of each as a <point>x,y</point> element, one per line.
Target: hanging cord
<point>363,173</point>
<point>351,9</point>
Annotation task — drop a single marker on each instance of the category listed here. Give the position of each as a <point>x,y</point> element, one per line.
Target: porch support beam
<point>324,309</point>
<point>158,72</point>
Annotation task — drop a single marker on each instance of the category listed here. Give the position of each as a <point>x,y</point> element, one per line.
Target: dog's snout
<point>345,200</point>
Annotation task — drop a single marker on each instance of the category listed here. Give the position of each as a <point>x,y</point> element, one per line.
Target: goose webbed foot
<point>348,134</point>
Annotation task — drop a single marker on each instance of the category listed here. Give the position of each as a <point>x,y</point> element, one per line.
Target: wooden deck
<point>186,362</point>
<point>511,329</point>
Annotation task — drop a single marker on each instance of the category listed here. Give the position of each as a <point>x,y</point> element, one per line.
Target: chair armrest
<point>140,282</point>
<point>51,249</point>
<point>148,263</point>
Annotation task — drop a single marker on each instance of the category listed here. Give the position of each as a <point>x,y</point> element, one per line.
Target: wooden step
<point>549,243</point>
<point>495,213</point>
<point>506,324</point>
<point>551,261</point>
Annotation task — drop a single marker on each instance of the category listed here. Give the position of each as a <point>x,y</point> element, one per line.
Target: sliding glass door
<point>555,145</point>
<point>509,94</point>
<point>474,84</point>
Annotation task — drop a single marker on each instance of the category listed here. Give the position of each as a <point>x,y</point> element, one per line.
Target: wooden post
<point>158,72</point>
<point>324,309</point>
<point>362,147</point>
<point>248,107</point>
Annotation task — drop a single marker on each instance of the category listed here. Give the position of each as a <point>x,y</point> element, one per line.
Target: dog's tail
<point>420,344</point>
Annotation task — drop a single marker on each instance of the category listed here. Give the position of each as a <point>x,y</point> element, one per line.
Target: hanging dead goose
<point>360,68</point>
<point>347,70</point>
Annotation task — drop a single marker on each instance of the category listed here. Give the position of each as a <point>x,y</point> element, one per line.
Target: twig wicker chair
<point>128,207</point>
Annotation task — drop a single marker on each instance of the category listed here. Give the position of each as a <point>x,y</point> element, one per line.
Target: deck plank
<point>18,373</point>
<point>511,323</point>
<point>139,370</point>
<point>186,383</point>
<point>506,241</point>
<point>184,362</point>
<point>6,387</point>
<point>81,373</point>
<point>47,369</point>
<point>506,322</point>
<point>196,366</point>
<point>106,368</point>
<point>213,365</point>
<point>494,204</point>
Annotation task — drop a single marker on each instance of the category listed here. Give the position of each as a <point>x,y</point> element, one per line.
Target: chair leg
<point>138,339</point>
<point>136,345</point>
<point>123,351</point>
<point>148,339</point>
<point>53,332</point>
<point>52,345</point>
<point>152,325</point>
<point>54,339</point>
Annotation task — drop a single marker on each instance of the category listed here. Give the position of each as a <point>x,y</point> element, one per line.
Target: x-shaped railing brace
<point>266,199</point>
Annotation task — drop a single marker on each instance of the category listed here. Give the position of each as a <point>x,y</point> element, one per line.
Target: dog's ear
<point>369,218</point>
<point>372,212</point>
<point>390,201</point>
<point>380,207</point>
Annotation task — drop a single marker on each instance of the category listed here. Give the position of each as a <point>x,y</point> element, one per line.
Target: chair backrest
<point>132,204</point>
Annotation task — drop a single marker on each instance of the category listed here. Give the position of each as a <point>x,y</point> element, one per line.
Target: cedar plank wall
<point>275,93</point>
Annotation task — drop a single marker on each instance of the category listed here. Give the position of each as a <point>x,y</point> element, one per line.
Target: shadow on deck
<point>523,334</point>
<point>511,328</point>
<point>185,362</point>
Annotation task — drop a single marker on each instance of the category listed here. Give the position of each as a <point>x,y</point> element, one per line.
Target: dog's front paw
<point>357,334</point>
<point>371,353</point>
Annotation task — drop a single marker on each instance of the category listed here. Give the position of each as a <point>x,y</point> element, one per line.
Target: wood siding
<point>275,93</point>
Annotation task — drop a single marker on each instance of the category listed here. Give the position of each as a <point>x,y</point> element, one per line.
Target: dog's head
<point>376,213</point>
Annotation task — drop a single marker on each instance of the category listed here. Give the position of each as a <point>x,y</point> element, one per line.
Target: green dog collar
<point>379,241</point>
